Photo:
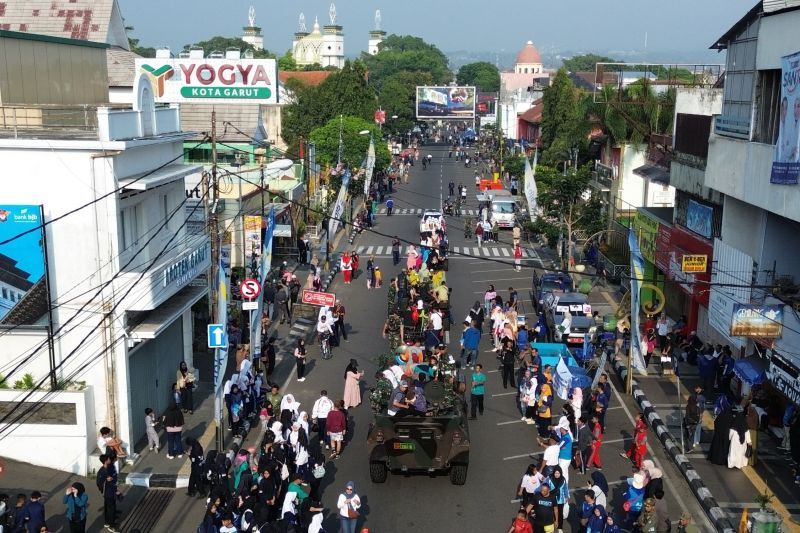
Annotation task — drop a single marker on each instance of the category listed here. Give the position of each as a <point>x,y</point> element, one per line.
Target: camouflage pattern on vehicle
<point>435,443</point>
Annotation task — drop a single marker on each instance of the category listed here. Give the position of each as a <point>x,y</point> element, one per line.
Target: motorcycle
<point>449,208</point>
<point>466,163</point>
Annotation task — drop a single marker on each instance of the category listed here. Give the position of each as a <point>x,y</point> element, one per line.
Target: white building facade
<point>121,271</point>
<point>760,218</point>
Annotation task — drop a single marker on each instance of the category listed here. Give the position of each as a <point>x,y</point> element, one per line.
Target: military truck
<point>438,442</point>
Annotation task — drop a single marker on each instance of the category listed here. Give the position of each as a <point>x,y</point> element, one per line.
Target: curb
<point>715,513</point>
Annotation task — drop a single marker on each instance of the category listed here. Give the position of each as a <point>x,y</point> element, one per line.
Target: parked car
<point>547,283</point>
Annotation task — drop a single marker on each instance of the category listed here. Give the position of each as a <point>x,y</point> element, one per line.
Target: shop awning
<point>654,173</point>
<point>157,320</point>
<point>750,370</point>
<point>168,174</point>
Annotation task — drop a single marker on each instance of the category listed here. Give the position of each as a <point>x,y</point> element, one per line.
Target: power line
<point>103,197</point>
<point>20,402</point>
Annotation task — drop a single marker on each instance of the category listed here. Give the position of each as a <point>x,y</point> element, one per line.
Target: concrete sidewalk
<point>730,491</point>
<point>153,469</point>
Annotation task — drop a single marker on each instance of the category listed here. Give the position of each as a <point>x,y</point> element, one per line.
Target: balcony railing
<point>111,122</point>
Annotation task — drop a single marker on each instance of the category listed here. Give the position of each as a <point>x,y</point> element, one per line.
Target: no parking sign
<point>250,288</point>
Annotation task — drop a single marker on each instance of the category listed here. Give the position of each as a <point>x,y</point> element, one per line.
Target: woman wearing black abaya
<point>720,443</point>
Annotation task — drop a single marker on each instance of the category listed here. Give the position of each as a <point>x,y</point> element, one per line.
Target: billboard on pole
<point>446,102</point>
<point>21,256</point>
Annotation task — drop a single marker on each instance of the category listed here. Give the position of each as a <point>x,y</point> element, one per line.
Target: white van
<point>504,207</point>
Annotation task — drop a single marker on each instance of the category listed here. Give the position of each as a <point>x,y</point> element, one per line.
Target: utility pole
<point>213,189</point>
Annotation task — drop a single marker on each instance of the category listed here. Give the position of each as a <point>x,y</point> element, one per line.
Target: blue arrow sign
<point>217,336</point>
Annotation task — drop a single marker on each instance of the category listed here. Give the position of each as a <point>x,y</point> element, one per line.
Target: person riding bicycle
<point>324,329</point>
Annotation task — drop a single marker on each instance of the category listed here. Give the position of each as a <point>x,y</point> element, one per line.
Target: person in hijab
<point>720,442</point>
<point>739,440</point>
<point>288,402</point>
<point>476,315</point>
<point>558,486</point>
<point>316,523</point>
<point>289,510</point>
<point>348,505</point>
<point>352,390</point>
<point>597,521</point>
<point>76,501</point>
<point>196,474</point>
<point>600,487</point>
<point>654,476</point>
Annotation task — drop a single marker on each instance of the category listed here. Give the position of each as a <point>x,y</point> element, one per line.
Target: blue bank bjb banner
<point>21,253</point>
<point>786,161</point>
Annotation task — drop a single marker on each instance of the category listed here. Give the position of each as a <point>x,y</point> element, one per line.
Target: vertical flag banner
<point>370,166</point>
<point>263,270</point>
<point>531,191</point>
<point>637,276</point>
<point>786,159</point>
<point>221,354</point>
<point>338,208</point>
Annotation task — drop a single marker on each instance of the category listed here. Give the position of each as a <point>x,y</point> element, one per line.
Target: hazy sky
<point>474,25</point>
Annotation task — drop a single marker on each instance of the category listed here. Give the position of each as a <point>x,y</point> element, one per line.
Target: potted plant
<point>766,520</point>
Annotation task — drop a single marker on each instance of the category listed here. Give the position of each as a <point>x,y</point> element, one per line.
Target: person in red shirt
<point>638,449</point>
<point>521,523</point>
<point>517,258</point>
<point>336,426</point>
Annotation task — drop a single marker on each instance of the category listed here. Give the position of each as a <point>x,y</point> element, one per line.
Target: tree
<point>398,97</point>
<point>219,43</point>
<point>561,200</point>
<point>287,62</point>
<point>133,44</point>
<point>345,92</point>
<point>482,74</point>
<point>586,62</point>
<point>397,53</point>
<point>564,124</point>
<point>354,145</point>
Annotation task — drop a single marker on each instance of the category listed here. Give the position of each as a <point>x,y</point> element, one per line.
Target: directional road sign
<point>250,288</point>
<point>217,336</point>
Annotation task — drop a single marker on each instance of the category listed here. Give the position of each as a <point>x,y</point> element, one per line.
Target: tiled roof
<point>87,20</point>
<point>309,77</point>
<point>534,114</point>
<point>121,67</point>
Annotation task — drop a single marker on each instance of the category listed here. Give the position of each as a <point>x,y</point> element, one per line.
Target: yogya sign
<point>212,80</point>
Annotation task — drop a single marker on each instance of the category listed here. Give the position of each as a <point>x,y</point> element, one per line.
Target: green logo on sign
<point>253,93</point>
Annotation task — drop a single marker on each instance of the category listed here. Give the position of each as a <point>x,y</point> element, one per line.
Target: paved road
<point>501,444</point>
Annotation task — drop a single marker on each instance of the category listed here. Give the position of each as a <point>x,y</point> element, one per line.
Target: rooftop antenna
<point>332,13</point>
<point>251,16</point>
<point>645,39</point>
<point>377,20</point>
<point>302,23</point>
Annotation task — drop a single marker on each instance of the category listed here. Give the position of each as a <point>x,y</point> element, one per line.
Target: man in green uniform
<point>393,330</point>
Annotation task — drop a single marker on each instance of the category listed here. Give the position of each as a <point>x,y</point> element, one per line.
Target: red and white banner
<point>319,298</point>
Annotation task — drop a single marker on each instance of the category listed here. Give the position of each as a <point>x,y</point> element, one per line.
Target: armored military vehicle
<point>437,442</point>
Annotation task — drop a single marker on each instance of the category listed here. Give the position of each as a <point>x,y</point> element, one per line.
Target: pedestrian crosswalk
<point>499,252</point>
<point>415,211</point>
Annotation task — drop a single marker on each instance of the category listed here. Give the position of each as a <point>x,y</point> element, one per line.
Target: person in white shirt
<point>319,413</point>
<point>436,321</point>
<point>324,326</point>
<point>530,484</point>
<point>550,457</point>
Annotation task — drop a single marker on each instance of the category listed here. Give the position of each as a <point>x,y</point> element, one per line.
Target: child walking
<point>150,427</point>
<point>378,277</point>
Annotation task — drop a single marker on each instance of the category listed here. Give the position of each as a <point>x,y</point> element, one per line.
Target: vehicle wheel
<point>458,474</point>
<point>377,472</point>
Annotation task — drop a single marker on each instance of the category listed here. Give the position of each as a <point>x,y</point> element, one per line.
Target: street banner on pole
<point>637,277</point>
<point>338,208</point>
<point>263,269</point>
<point>531,192</point>
<point>221,353</point>
<point>370,166</point>
<point>786,159</point>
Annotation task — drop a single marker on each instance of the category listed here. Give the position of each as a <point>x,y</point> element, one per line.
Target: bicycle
<point>325,345</point>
